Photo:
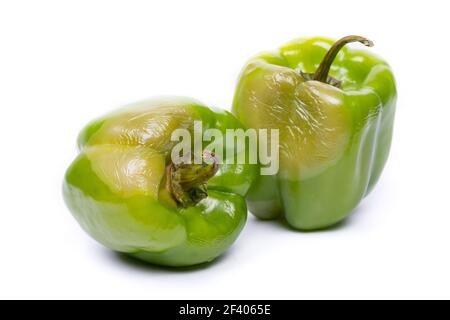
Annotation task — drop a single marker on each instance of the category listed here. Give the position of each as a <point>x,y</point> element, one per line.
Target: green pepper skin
<point>113,188</point>
<point>334,142</point>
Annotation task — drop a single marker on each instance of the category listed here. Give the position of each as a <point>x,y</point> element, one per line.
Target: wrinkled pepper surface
<point>334,108</point>
<point>125,191</point>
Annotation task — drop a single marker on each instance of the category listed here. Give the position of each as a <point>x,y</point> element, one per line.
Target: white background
<point>63,63</point>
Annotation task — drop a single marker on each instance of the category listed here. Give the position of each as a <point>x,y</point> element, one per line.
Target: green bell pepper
<point>125,192</point>
<point>334,109</point>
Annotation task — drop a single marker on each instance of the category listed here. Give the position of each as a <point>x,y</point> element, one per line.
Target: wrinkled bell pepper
<point>334,108</point>
<point>125,191</point>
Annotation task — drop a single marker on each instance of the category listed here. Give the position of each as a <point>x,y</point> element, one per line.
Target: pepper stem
<point>187,181</point>
<point>324,67</point>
